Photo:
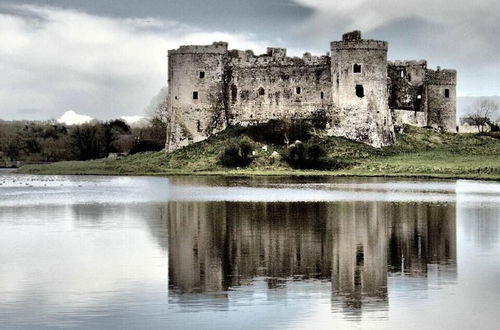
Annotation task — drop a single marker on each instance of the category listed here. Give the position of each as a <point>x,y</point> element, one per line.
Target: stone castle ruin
<point>362,96</point>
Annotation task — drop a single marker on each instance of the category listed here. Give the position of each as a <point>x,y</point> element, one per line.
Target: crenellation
<point>363,95</point>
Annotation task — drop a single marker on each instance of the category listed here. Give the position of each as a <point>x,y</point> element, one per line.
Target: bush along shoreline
<point>302,148</point>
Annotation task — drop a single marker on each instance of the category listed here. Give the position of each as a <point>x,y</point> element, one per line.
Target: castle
<point>363,96</point>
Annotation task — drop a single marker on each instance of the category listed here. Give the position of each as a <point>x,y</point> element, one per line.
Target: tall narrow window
<point>360,91</point>
<point>195,95</point>
<point>447,93</point>
<point>234,93</point>
<point>356,68</point>
<point>322,95</point>
<point>402,73</point>
<point>202,74</point>
<point>298,90</point>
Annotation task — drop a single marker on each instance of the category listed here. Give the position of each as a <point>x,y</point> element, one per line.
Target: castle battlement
<point>361,93</point>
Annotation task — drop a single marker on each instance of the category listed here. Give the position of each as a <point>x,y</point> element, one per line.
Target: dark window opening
<point>195,95</point>
<point>297,90</point>
<point>202,74</point>
<point>261,91</point>
<point>360,91</point>
<point>234,93</point>
<point>356,68</point>
<point>198,126</point>
<point>447,93</point>
<point>322,95</point>
<point>409,77</point>
<point>176,97</point>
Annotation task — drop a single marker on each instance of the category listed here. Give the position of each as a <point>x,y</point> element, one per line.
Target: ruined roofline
<point>272,57</point>
<point>217,47</point>
<point>408,63</point>
<point>441,76</point>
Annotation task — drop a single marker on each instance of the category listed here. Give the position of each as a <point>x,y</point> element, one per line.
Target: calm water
<point>265,253</point>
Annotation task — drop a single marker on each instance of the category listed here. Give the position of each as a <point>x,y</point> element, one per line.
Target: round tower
<point>359,90</point>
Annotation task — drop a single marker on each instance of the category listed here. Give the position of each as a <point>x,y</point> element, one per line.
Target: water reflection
<point>214,247</point>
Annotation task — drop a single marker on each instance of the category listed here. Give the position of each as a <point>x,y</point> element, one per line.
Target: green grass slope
<point>418,152</point>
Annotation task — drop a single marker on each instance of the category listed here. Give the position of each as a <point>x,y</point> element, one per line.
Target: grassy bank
<point>417,153</point>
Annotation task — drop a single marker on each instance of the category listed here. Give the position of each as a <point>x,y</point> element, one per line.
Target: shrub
<point>281,132</point>
<point>146,145</point>
<point>309,155</point>
<point>238,153</point>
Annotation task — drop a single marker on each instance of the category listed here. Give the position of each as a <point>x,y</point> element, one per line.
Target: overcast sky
<point>107,58</point>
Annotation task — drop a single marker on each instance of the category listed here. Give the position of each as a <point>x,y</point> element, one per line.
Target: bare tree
<point>481,113</point>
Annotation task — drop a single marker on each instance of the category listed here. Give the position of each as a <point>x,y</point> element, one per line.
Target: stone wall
<point>273,86</point>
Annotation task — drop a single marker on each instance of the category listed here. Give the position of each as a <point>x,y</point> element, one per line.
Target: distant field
<point>417,153</point>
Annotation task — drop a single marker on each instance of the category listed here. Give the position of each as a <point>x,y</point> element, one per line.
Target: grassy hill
<point>418,152</point>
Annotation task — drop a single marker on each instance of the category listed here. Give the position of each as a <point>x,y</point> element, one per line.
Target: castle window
<point>202,74</point>
<point>195,95</point>
<point>322,95</point>
<point>360,91</point>
<point>447,93</point>
<point>198,126</point>
<point>356,68</point>
<point>261,91</point>
<point>298,90</point>
<point>409,77</point>
<point>402,73</point>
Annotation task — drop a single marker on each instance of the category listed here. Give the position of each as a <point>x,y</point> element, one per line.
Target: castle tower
<point>359,90</point>
<point>442,96</point>
<point>196,102</point>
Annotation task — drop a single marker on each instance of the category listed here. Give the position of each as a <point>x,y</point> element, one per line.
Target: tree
<point>84,140</point>
<point>481,113</point>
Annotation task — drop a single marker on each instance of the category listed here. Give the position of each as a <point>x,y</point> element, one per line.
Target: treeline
<point>49,141</point>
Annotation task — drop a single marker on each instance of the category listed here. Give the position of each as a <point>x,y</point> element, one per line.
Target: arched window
<point>322,95</point>
<point>356,68</point>
<point>261,91</point>
<point>360,91</point>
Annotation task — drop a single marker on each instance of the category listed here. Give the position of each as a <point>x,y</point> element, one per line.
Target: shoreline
<point>272,173</point>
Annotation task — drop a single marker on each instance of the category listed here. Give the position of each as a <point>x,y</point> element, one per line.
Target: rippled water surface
<point>239,253</point>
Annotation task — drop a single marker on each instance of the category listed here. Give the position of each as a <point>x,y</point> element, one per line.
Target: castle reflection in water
<point>216,246</point>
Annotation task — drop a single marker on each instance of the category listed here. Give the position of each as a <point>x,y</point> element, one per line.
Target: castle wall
<point>361,115</point>
<point>441,90</point>
<point>414,118</point>
<point>274,86</point>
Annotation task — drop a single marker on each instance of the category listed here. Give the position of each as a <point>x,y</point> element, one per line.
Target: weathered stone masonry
<point>362,94</point>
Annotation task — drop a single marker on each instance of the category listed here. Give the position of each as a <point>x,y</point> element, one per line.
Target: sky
<point>107,58</point>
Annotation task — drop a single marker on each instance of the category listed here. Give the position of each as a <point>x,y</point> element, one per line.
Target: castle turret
<point>359,90</point>
<point>196,86</point>
<point>441,91</point>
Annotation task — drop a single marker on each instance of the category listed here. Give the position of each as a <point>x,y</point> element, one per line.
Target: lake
<point>248,253</point>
